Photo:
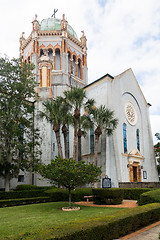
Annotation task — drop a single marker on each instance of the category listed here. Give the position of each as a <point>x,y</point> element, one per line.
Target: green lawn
<point>30,220</point>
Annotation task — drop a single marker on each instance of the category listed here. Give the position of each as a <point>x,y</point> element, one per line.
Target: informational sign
<point>106,182</point>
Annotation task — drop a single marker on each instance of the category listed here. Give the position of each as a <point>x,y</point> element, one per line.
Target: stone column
<point>71,64</point>
<point>40,77</point>
<point>76,69</point>
<point>53,60</point>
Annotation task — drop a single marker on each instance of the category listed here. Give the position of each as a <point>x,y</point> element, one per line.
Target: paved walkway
<point>125,204</point>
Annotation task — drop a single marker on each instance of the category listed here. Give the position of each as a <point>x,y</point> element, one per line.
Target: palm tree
<point>85,123</point>
<point>104,120</point>
<point>66,119</point>
<point>52,114</point>
<point>75,98</point>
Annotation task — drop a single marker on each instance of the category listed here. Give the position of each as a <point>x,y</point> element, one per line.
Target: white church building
<point>60,60</point>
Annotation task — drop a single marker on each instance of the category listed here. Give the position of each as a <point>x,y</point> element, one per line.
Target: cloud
<point>120,34</point>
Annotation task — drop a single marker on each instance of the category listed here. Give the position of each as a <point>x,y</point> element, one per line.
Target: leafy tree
<point>76,98</point>
<point>18,136</point>
<point>157,152</point>
<point>70,174</point>
<point>104,120</point>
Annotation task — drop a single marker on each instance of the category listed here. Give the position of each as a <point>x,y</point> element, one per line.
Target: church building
<point>60,60</point>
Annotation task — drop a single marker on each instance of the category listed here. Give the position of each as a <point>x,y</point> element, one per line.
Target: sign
<point>106,182</point>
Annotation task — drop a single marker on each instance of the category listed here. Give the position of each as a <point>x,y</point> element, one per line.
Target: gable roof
<point>99,79</point>
<point>129,70</point>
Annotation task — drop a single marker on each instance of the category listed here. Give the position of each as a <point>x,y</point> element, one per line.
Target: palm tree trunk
<point>75,140</point>
<point>96,149</point>
<point>79,144</point>
<point>64,131</point>
<point>59,143</point>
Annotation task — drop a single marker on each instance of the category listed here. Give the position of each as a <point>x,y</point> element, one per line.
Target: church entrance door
<point>134,174</point>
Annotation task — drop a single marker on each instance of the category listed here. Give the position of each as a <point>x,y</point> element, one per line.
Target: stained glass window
<point>125,137</point>
<point>138,141</point>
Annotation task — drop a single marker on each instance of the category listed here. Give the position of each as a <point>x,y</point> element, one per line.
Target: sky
<point>121,34</point>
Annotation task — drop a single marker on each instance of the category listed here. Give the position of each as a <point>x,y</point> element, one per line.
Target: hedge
<point>134,193</point>
<point>107,196</point>
<point>23,201</point>
<point>108,228</point>
<point>79,193</point>
<point>22,194</point>
<point>59,194</point>
<point>24,187</point>
<point>150,197</point>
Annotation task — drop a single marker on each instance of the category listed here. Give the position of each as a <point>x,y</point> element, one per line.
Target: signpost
<point>106,182</point>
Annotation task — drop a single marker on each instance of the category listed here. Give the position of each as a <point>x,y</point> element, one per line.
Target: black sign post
<point>106,182</point>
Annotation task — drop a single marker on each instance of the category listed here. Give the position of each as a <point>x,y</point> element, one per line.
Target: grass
<point>33,219</point>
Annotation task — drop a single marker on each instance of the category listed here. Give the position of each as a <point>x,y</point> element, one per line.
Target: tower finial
<point>54,14</point>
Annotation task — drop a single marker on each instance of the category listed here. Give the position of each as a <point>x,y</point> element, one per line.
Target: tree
<point>104,120</point>
<point>70,174</point>
<point>76,98</point>
<point>85,123</point>
<point>57,113</point>
<point>18,136</point>
<point>66,119</point>
<point>157,152</point>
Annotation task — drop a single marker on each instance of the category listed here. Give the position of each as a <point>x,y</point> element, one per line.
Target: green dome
<point>55,24</point>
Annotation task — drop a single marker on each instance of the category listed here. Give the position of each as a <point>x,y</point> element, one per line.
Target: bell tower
<point>60,58</point>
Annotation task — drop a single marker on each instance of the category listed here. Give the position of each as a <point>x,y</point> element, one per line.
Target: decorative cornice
<point>52,33</point>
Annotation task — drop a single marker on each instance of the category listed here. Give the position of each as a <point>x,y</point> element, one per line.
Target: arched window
<point>79,68</point>
<point>74,65</point>
<point>50,55</point>
<point>57,59</point>
<point>29,59</point>
<point>138,141</point>
<point>69,62</point>
<point>125,137</point>
<point>92,141</point>
<point>41,52</point>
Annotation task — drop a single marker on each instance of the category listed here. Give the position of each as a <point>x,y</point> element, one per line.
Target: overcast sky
<point>121,34</point>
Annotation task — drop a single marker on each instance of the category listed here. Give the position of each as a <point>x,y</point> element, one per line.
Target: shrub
<point>63,195</point>
<point>107,196</point>
<point>23,201</point>
<point>24,187</point>
<point>22,194</point>
<point>150,197</point>
<point>79,193</point>
<point>134,193</point>
<point>57,195</point>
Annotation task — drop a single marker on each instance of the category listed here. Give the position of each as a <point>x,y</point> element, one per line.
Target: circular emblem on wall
<point>130,113</point>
